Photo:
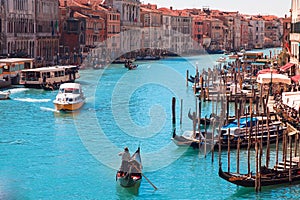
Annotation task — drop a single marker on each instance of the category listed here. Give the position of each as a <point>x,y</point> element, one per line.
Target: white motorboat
<point>4,95</point>
<point>70,97</point>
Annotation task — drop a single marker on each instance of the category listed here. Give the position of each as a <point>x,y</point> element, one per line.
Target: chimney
<point>171,8</point>
<point>65,3</point>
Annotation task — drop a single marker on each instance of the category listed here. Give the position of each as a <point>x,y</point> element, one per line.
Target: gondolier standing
<point>125,160</point>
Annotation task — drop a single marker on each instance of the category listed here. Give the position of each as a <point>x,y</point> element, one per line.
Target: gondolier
<point>125,159</point>
<point>130,173</point>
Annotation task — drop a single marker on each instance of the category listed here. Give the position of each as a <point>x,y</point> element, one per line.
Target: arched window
<point>81,39</point>
<point>82,26</point>
<point>65,26</point>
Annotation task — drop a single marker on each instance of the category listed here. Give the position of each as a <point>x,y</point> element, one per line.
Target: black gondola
<point>244,137</point>
<point>132,177</point>
<point>268,177</point>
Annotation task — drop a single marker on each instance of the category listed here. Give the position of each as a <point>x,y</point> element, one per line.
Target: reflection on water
<point>126,193</point>
<point>66,114</point>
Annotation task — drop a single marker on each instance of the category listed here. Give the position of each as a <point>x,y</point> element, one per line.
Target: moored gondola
<point>130,173</point>
<point>268,177</point>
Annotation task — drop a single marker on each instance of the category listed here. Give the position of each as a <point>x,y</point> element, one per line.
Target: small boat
<point>123,60</point>
<point>244,135</point>
<point>215,51</point>
<point>4,95</point>
<point>221,60</point>
<point>268,176</point>
<point>70,97</point>
<point>133,177</point>
<point>129,65</point>
<point>148,57</point>
<point>194,139</point>
<point>233,56</point>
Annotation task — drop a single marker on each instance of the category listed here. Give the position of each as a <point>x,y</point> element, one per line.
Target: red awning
<point>286,66</point>
<point>267,71</point>
<point>296,78</point>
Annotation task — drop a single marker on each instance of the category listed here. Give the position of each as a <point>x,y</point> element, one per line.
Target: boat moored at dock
<point>39,77</point>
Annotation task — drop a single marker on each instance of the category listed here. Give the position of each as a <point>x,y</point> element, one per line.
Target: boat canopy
<point>275,78</point>
<point>70,86</point>
<point>244,122</point>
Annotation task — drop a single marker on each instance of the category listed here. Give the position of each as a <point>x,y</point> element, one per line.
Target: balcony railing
<point>129,23</point>
<point>295,37</point>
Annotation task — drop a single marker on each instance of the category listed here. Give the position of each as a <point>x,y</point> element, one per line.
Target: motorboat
<point>70,97</point>
<point>4,95</point>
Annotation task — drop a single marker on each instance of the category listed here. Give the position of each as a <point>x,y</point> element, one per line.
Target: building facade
<point>256,33</point>
<point>295,33</point>
<point>18,28</point>
<point>130,23</point>
<point>47,31</point>
<point>29,28</point>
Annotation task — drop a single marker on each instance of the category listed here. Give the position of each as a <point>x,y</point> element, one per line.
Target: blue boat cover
<point>244,122</point>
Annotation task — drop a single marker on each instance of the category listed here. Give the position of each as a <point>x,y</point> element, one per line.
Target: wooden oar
<point>145,177</point>
<point>149,181</point>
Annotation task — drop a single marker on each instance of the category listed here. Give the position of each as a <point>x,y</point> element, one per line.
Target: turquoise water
<point>45,154</point>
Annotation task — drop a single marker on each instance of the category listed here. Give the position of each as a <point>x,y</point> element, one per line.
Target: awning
<point>274,78</point>
<point>267,71</point>
<point>286,66</point>
<point>296,78</point>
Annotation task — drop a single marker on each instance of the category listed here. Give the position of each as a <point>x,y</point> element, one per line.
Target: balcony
<point>295,37</point>
<point>129,23</point>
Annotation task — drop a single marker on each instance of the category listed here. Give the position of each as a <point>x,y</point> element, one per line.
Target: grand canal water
<point>45,154</point>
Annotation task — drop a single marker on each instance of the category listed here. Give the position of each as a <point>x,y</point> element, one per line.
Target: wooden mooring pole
<point>228,150</point>
<point>173,112</point>
<point>187,78</point>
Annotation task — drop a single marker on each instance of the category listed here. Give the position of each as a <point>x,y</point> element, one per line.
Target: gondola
<point>132,67</point>
<point>206,121</point>
<point>268,177</point>
<point>132,175</point>
<point>196,141</point>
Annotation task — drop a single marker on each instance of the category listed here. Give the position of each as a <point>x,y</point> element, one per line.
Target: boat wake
<point>49,109</point>
<point>17,90</point>
<point>32,100</point>
<point>14,142</point>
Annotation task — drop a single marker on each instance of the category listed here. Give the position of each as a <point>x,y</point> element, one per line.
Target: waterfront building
<point>83,26</point>
<point>286,24</point>
<point>17,28</point>
<point>130,23</point>
<point>47,32</point>
<point>295,33</point>
<point>216,34</point>
<point>244,33</point>
<point>151,19</point>
<point>273,31</point>
<point>177,27</point>
<point>113,28</point>
<point>256,32</point>
<point>197,30</point>
<point>232,29</point>
<point>29,29</point>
